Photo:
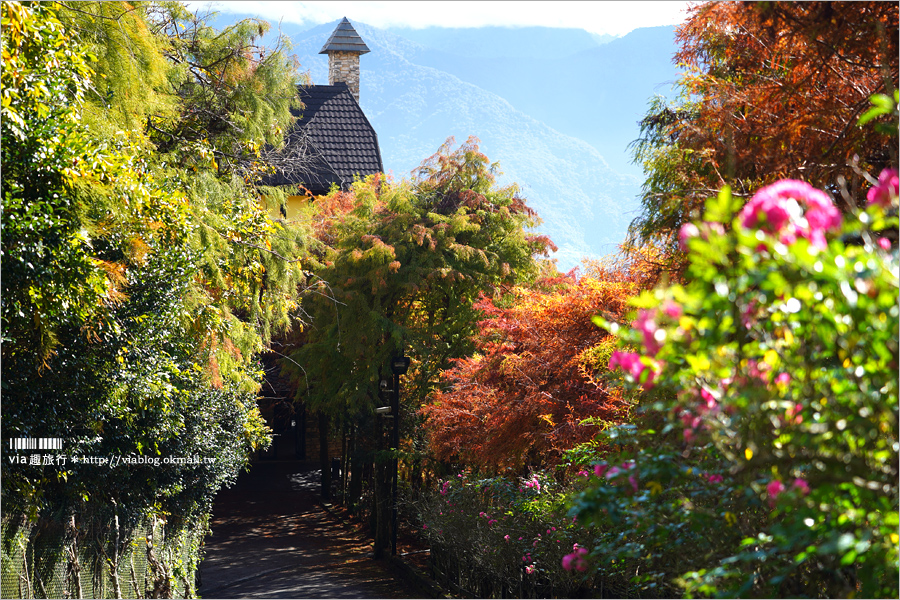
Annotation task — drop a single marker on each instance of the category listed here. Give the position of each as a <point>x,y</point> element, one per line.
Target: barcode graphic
<point>36,444</point>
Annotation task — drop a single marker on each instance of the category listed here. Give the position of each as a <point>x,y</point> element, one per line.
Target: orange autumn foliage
<point>770,90</point>
<point>522,398</point>
<point>783,84</point>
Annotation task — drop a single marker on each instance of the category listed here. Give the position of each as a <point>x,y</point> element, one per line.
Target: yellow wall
<point>293,205</point>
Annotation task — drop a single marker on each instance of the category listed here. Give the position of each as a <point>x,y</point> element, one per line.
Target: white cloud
<point>615,18</point>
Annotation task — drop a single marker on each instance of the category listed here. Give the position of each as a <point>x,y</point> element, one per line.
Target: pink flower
<point>748,314</point>
<point>506,537</point>
<point>714,478</point>
<point>688,435</point>
<point>672,310</point>
<point>534,483</point>
<point>687,231</point>
<point>783,379</point>
<point>529,569</point>
<point>792,414</point>
<point>445,488</point>
<point>631,363</point>
<point>884,243</point>
<point>767,212</point>
<point>575,560</point>
<point>690,420</point>
<point>646,324</point>
<point>778,209</point>
<point>600,469</point>
<point>758,371</point>
<point>709,401</point>
<point>633,481</point>
<point>774,488</point>
<point>801,485</point>
<point>886,190</point>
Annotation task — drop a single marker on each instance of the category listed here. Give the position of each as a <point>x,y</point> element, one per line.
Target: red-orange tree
<point>771,90</point>
<point>525,395</point>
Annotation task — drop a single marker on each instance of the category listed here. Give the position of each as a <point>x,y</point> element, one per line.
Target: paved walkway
<point>271,539</point>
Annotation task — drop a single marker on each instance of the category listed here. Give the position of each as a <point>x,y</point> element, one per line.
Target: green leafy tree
<point>408,263</point>
<point>107,334</point>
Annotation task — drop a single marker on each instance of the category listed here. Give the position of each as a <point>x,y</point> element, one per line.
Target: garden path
<point>272,539</point>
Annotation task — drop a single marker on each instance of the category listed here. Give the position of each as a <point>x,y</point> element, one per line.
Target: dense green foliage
<point>140,279</point>
<point>775,422</point>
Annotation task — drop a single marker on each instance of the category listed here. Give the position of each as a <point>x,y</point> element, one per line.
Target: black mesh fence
<point>54,559</point>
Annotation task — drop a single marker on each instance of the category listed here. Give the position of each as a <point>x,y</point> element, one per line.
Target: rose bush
<point>766,462</point>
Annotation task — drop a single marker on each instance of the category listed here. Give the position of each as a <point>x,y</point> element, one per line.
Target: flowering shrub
<point>517,533</point>
<point>769,462</point>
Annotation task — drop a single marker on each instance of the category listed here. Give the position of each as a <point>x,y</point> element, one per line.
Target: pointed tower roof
<point>344,39</point>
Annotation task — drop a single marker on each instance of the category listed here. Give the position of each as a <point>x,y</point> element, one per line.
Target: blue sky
<point>613,18</point>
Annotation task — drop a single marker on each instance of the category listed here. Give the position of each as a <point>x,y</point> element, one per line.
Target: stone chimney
<point>343,49</point>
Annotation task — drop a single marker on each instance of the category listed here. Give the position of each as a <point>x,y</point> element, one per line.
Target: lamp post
<point>399,366</point>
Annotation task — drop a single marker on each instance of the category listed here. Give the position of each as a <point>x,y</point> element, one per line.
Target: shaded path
<point>271,539</point>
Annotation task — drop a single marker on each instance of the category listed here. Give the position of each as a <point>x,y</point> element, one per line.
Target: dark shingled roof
<point>344,39</point>
<point>342,141</point>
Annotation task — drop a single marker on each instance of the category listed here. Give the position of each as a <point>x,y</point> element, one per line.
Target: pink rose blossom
<point>534,483</point>
<point>783,379</point>
<point>690,420</point>
<point>792,414</point>
<point>709,401</point>
<point>758,371</point>
<point>687,231</point>
<point>575,560</point>
<point>600,469</point>
<point>631,363</point>
<point>884,243</point>
<point>646,324</point>
<point>748,314</point>
<point>886,190</point>
<point>672,310</point>
<point>778,210</point>
<point>714,478</point>
<point>774,488</point>
<point>801,485</point>
<point>529,569</point>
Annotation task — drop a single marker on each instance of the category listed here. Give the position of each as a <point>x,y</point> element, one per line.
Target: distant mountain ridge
<point>551,122</point>
<point>510,42</point>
